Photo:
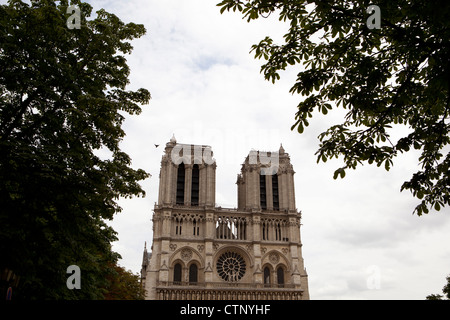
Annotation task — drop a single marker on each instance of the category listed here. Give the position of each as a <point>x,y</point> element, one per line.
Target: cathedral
<point>204,252</point>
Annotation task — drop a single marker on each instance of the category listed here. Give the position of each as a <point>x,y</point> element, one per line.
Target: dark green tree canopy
<point>63,98</point>
<point>397,75</point>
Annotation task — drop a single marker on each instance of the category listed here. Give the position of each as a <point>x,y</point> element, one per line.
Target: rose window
<point>231,266</point>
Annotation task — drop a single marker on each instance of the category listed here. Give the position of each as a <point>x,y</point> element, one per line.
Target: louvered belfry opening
<point>181,176</point>
<point>276,201</point>
<point>262,191</point>
<point>195,185</point>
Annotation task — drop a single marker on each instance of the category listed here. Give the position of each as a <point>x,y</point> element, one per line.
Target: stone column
<point>251,179</point>
<point>173,183</point>
<point>295,275</point>
<point>202,187</point>
<point>283,191</point>
<point>256,237</point>
<point>164,261</point>
<point>269,192</point>
<point>166,176</point>
<point>240,191</point>
<point>211,185</point>
<point>187,184</point>
<point>294,229</point>
<point>291,190</point>
<point>209,250</point>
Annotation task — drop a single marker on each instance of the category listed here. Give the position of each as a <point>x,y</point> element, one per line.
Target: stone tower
<point>201,251</point>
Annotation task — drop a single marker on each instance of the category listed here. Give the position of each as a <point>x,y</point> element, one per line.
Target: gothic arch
<point>187,254</point>
<point>176,274</point>
<point>281,275</point>
<point>267,270</point>
<point>275,258</point>
<point>174,262</point>
<point>193,272</point>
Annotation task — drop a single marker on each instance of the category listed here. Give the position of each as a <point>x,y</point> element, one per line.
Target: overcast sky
<point>360,239</point>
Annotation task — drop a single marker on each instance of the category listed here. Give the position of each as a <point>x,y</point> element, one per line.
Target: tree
<point>445,291</point>
<point>124,285</point>
<point>63,99</point>
<point>394,76</point>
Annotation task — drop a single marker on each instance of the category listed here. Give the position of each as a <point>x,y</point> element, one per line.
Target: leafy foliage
<point>445,291</point>
<point>398,75</point>
<point>62,100</point>
<point>124,285</point>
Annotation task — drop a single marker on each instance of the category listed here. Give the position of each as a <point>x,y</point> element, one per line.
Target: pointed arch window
<point>265,230</point>
<point>278,231</point>
<point>262,191</point>
<point>177,274</point>
<point>276,201</point>
<point>178,225</point>
<point>193,274</point>
<point>266,277</point>
<point>196,227</point>
<point>180,184</point>
<point>280,277</point>
<point>195,185</point>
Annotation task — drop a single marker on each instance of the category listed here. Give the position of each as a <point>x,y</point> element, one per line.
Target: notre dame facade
<point>201,251</point>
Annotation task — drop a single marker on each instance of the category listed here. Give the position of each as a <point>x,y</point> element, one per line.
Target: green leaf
<point>387,165</point>
<point>336,174</point>
<point>437,207</point>
<point>339,172</point>
<point>295,124</point>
